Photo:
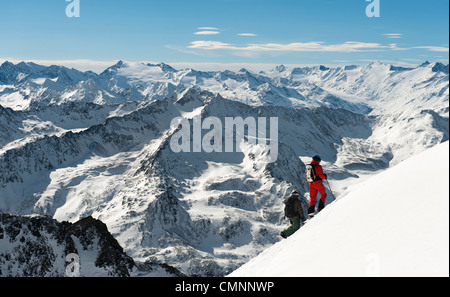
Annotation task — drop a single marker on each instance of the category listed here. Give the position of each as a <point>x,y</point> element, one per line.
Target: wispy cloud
<point>247,34</point>
<point>394,47</point>
<point>350,46</point>
<point>210,45</point>
<point>315,46</point>
<point>434,48</point>
<point>208,28</point>
<point>442,49</point>
<point>393,35</point>
<point>207,33</point>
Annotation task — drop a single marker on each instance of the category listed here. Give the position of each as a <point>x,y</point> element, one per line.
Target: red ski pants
<point>314,188</point>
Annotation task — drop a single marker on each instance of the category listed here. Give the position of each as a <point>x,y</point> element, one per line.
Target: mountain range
<point>375,87</point>
<point>77,145</point>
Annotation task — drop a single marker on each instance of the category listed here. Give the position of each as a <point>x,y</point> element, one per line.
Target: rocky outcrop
<point>38,246</point>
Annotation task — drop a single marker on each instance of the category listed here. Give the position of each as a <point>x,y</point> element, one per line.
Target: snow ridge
<point>381,227</point>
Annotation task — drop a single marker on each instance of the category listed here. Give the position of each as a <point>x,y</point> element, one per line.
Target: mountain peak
<point>164,67</point>
<point>376,63</point>
<point>280,68</point>
<point>7,64</point>
<point>85,237</point>
<point>439,67</point>
<point>399,68</point>
<point>118,65</point>
<point>112,68</point>
<point>350,67</point>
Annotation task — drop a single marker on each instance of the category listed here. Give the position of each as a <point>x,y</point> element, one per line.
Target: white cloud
<point>207,33</point>
<point>434,48</point>
<point>314,46</point>
<point>393,35</point>
<point>210,45</point>
<point>394,47</point>
<point>349,46</point>
<point>247,34</point>
<point>208,28</point>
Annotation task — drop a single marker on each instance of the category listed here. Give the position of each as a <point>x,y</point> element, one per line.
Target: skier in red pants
<point>316,186</point>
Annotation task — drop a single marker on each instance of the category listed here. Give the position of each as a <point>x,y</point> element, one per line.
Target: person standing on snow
<point>315,175</point>
<point>294,212</point>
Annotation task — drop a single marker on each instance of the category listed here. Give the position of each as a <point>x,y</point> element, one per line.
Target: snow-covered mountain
<point>76,144</point>
<point>40,246</point>
<point>384,88</point>
<point>392,224</point>
<point>124,172</point>
<point>378,87</point>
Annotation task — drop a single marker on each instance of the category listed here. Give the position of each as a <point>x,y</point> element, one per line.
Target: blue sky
<point>305,32</point>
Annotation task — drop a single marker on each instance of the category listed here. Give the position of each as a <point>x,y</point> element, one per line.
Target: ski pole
<point>329,188</point>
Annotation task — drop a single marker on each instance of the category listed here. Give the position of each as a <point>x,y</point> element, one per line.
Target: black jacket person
<point>294,212</point>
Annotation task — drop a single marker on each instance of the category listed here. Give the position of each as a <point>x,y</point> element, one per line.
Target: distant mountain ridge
<point>357,88</point>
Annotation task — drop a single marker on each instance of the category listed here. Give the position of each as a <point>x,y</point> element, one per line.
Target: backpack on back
<point>310,173</point>
<point>289,209</point>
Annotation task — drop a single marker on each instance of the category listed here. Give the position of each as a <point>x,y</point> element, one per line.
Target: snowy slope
<point>393,224</point>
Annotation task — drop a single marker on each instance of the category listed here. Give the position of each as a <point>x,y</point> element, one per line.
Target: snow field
<point>393,224</point>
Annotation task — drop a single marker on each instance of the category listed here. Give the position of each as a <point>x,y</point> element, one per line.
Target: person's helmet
<point>317,158</point>
<point>295,193</point>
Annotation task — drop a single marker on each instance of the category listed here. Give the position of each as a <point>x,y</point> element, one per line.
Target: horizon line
<point>100,66</point>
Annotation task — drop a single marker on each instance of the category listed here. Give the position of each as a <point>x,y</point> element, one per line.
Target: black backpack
<point>310,173</point>
<point>289,209</point>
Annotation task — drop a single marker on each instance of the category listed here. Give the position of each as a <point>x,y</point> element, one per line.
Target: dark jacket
<point>298,208</point>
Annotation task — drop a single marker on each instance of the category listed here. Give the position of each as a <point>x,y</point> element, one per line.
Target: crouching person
<point>294,212</point>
